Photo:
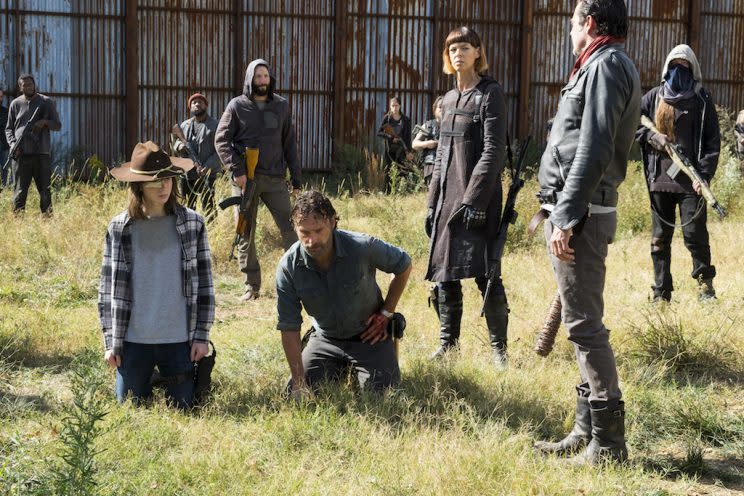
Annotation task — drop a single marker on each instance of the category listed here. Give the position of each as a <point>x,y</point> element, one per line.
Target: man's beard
<point>260,90</point>
<point>198,113</point>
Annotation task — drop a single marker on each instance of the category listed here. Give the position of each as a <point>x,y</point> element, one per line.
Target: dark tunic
<point>467,171</point>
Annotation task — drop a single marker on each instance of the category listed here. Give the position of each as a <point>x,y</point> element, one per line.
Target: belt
<point>603,201</point>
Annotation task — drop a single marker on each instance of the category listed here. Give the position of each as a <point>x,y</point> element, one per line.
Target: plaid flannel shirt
<point>115,292</point>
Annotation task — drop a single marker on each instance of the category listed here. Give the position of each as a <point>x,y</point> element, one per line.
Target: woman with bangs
<point>464,202</point>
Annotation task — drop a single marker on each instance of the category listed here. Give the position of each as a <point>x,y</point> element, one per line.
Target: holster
<point>202,377</point>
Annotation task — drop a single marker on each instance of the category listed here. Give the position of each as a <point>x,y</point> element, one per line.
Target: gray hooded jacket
<point>245,125</point>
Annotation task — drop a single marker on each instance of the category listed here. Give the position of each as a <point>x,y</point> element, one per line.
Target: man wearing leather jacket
<point>583,164</point>
<point>685,116</point>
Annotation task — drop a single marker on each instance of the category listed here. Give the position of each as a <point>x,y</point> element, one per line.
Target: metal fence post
<point>131,42</point>
<point>339,77</point>
<point>693,30</point>
<point>525,70</point>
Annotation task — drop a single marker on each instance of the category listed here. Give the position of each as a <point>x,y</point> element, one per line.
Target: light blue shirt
<point>340,300</point>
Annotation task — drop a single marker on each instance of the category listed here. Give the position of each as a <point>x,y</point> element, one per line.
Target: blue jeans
<point>139,361</point>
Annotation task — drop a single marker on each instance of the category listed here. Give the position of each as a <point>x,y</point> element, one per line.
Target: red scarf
<point>593,47</point>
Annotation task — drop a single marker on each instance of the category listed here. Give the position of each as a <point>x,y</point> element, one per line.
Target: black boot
<point>608,437</point>
<point>581,434</point>
<point>450,316</point>
<point>497,320</point>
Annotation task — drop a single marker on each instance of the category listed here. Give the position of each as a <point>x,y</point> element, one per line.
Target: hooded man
<point>685,115</point>
<point>260,119</point>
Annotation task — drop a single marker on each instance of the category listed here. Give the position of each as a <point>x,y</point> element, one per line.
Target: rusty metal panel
<point>552,60</point>
<point>181,52</point>
<point>721,56</point>
<point>297,39</point>
<point>73,51</point>
<point>395,48</point>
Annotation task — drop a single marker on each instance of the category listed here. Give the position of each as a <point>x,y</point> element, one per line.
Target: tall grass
<point>457,427</point>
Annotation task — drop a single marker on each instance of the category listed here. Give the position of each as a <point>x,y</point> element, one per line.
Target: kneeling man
<point>331,273</point>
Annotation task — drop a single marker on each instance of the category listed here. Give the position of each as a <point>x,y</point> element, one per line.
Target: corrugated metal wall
<point>337,61</point>
<point>73,49</point>
<point>394,49</point>
<point>722,51</point>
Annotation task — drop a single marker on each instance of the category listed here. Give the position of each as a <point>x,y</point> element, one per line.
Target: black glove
<point>429,224</point>
<point>474,218</point>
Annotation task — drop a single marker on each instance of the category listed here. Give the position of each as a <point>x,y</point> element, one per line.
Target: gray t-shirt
<point>158,304</point>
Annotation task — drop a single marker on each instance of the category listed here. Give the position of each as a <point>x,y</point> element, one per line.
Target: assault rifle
<point>388,133</point>
<point>683,163</point>
<point>245,200</point>
<point>24,134</point>
<point>509,216</point>
<point>193,155</point>
<point>418,128</point>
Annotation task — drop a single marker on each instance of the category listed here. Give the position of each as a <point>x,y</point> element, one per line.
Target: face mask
<point>679,78</point>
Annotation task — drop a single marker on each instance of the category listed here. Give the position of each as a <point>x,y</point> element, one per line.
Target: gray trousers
<point>274,194</point>
<point>327,359</point>
<point>39,168</point>
<point>581,284</point>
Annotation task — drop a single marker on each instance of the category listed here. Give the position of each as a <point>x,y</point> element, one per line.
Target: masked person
<point>427,140</point>
<point>685,116</point>
<point>155,298</point>
<point>199,131</point>
<point>331,273</point>
<point>260,118</point>
<point>584,163</point>
<point>33,159</point>
<point>464,201</point>
<point>739,135</point>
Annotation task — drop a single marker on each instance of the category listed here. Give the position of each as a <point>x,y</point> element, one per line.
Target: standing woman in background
<point>464,202</point>
<point>155,299</point>
<point>395,130</point>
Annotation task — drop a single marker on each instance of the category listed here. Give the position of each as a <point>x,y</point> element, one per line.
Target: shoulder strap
<point>482,112</point>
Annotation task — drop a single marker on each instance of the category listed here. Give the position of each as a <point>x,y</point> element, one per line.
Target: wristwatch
<point>387,314</point>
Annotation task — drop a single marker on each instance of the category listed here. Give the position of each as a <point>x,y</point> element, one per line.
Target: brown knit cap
<point>198,95</point>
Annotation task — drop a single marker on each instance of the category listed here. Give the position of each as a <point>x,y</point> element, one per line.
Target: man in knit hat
<point>685,115</point>
<point>199,131</point>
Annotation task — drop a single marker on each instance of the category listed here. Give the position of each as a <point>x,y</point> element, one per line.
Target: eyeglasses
<point>153,184</point>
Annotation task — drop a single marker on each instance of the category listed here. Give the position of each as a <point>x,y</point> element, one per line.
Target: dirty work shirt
<point>340,300</point>
<point>159,306</point>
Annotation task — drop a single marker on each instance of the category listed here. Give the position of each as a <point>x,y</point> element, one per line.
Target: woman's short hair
<point>464,34</point>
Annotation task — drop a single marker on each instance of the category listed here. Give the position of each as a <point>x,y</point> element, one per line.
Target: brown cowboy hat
<point>150,163</point>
